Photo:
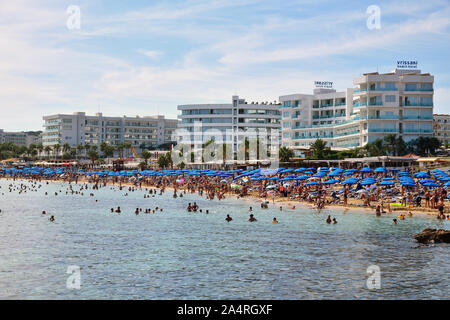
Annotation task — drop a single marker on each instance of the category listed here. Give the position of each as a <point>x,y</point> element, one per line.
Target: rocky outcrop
<point>433,235</point>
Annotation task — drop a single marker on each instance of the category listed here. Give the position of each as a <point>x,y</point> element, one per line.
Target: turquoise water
<point>178,255</point>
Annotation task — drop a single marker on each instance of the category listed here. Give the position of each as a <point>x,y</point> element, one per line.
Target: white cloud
<point>152,54</point>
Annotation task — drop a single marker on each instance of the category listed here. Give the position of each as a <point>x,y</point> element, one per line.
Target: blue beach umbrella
<point>386,183</point>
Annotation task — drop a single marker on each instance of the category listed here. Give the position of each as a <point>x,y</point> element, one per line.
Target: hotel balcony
<point>383,117</point>
<point>383,130</point>
<point>416,131</point>
<point>347,133</point>
<point>418,89</point>
<point>417,104</point>
<point>417,118</point>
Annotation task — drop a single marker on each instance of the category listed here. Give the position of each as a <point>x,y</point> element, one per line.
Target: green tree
<point>319,149</point>
<point>285,154</point>
<point>146,155</point>
<point>93,156</point>
<point>108,151</point>
<point>56,149</point>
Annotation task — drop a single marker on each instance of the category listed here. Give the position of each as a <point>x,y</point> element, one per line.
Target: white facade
<point>441,127</point>
<point>228,122</point>
<point>400,102</point>
<point>20,138</point>
<point>78,128</point>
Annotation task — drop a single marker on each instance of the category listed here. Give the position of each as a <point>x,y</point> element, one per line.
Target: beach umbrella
<point>319,175</point>
<point>421,175</point>
<point>365,170</point>
<point>312,183</point>
<point>431,184</point>
<point>351,181</point>
<point>331,181</point>
<point>447,184</point>
<point>380,170</point>
<point>386,183</point>
<point>423,181</point>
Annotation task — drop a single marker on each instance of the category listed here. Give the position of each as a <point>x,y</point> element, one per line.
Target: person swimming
<point>328,219</point>
<point>250,209</point>
<point>118,210</point>
<point>52,218</point>
<point>43,212</point>
<point>394,220</point>
<point>228,218</point>
<point>274,220</point>
<point>252,218</point>
<point>334,221</point>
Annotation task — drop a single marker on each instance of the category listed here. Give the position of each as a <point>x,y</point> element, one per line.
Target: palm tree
<point>47,150</point>
<point>127,145</point>
<point>40,147</point>
<point>285,154</point>
<point>146,155</point>
<point>120,149</point>
<point>390,141</point>
<point>93,155</point>
<point>56,148</point>
<point>319,147</point>
<point>79,149</point>
<point>66,147</point>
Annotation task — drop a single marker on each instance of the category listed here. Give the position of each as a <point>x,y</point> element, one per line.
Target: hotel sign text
<point>323,84</point>
<point>406,64</point>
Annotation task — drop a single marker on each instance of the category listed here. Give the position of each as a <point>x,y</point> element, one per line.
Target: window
<point>389,99</point>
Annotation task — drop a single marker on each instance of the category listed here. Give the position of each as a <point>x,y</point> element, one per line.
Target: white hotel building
<point>441,127</point>
<point>400,102</point>
<point>78,128</point>
<point>231,121</point>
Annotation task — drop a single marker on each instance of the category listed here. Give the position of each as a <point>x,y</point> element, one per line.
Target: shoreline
<point>254,199</point>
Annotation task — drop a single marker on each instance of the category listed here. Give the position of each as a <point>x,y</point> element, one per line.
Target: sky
<point>146,57</point>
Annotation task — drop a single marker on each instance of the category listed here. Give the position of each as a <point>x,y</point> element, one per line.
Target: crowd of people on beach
<point>384,191</point>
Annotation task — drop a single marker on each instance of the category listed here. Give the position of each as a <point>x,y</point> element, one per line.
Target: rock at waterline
<point>433,235</point>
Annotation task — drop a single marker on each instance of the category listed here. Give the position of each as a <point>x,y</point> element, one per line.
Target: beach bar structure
<point>372,162</point>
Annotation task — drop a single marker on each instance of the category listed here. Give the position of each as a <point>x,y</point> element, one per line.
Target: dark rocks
<point>433,235</point>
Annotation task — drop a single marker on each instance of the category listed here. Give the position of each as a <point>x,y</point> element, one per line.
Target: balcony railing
<point>383,130</point>
<point>417,118</point>
<point>417,104</point>
<point>349,145</point>
<point>347,133</point>
<point>418,89</point>
<point>417,131</point>
<point>312,137</point>
<point>382,117</point>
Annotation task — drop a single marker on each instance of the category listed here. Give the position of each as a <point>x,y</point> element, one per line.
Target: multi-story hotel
<point>204,121</point>
<point>78,128</point>
<point>441,127</point>
<point>21,138</point>
<point>399,102</point>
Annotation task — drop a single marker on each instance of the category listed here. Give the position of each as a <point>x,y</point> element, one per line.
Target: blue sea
<point>174,254</point>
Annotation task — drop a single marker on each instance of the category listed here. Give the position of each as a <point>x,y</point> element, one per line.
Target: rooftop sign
<point>403,64</point>
<point>324,84</point>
